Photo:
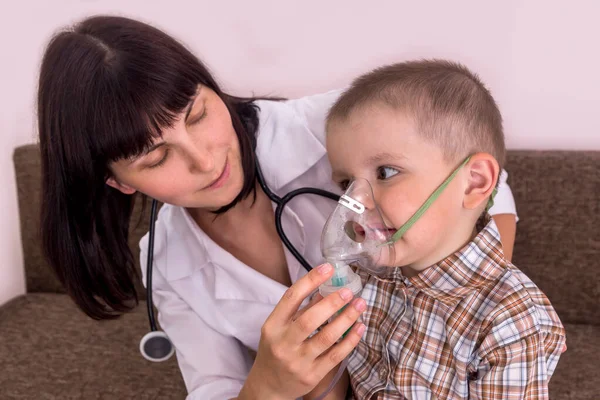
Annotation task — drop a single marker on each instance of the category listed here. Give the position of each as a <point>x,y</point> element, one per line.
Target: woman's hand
<point>289,364</point>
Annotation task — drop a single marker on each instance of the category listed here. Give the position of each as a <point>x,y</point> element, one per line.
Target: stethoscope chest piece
<point>155,346</point>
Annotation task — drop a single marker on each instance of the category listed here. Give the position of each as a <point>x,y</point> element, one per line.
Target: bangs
<point>136,103</point>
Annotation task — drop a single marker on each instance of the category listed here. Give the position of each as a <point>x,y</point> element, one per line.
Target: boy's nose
<point>368,202</point>
<point>362,192</point>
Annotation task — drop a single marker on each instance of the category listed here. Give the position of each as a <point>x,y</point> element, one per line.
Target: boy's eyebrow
<point>382,157</point>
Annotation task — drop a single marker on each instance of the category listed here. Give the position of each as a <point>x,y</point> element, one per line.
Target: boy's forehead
<point>375,122</point>
<point>349,157</point>
<point>376,136</point>
<point>372,132</point>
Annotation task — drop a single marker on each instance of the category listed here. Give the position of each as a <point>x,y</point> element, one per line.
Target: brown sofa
<point>50,350</point>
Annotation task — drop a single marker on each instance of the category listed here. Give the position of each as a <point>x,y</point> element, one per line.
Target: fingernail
<point>346,294</point>
<point>361,329</point>
<point>360,305</point>
<point>323,269</point>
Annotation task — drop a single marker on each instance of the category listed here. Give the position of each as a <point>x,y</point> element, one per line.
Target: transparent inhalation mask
<point>355,234</point>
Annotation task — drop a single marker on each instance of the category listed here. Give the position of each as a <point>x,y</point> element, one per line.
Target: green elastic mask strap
<point>419,213</point>
<point>490,203</point>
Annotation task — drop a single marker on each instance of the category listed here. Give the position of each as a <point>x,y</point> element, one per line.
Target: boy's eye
<point>384,173</point>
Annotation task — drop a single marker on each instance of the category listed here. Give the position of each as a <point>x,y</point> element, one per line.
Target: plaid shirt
<point>469,327</point>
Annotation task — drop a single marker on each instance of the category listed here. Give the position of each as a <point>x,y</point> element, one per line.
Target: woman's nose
<point>200,159</point>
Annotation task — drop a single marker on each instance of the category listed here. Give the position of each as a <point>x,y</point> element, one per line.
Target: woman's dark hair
<point>107,88</point>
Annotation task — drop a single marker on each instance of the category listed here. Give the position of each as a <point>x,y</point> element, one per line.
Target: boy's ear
<point>112,182</point>
<point>483,171</point>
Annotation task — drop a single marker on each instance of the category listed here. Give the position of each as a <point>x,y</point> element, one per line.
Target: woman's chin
<point>226,195</point>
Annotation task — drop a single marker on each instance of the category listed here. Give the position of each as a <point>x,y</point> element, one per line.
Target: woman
<point>124,108</point>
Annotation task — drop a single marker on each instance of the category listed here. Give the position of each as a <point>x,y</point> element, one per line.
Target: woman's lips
<point>222,179</point>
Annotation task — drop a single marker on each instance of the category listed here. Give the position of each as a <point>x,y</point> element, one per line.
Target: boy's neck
<point>463,235</point>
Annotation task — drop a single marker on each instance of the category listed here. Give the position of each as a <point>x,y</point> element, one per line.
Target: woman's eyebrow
<point>191,105</point>
<point>154,147</point>
<point>146,152</point>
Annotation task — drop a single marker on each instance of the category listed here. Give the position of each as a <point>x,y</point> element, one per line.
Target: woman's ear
<point>483,171</point>
<point>112,182</point>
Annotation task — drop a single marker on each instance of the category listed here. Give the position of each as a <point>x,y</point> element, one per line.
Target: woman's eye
<point>198,118</point>
<point>161,161</point>
<point>384,173</point>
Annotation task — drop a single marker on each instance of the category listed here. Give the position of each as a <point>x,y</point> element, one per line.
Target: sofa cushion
<point>577,376</point>
<point>51,350</point>
<point>47,344</point>
<point>39,276</point>
<point>558,235</point>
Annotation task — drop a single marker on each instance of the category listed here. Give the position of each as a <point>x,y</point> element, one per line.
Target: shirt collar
<point>477,264</point>
<point>286,148</point>
<point>189,250</point>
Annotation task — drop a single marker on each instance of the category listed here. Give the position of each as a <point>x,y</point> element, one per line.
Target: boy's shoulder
<point>476,291</point>
<point>515,308</point>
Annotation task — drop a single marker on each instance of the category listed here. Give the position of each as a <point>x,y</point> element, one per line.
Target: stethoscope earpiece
<point>155,346</point>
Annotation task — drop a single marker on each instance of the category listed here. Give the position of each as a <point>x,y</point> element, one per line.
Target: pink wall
<point>540,59</point>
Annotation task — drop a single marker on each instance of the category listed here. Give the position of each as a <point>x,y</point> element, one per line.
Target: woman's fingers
<point>315,299</point>
<point>333,331</point>
<point>337,353</point>
<point>292,299</point>
<point>318,314</point>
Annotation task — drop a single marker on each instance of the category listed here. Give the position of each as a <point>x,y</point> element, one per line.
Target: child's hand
<point>289,364</point>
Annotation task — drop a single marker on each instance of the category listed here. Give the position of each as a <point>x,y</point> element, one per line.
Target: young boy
<point>455,319</point>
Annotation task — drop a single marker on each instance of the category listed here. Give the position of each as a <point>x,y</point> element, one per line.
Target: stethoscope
<point>155,345</point>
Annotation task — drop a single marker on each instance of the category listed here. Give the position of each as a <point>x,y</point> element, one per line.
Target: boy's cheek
<point>427,230</point>
<point>399,206</point>
<point>398,210</point>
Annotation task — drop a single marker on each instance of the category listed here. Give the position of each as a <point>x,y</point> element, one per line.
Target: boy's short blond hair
<point>450,105</point>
